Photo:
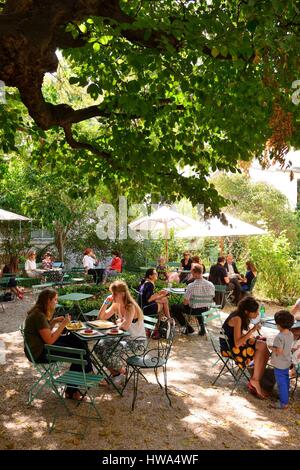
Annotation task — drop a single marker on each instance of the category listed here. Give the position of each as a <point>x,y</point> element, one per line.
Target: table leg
<point>101,367</point>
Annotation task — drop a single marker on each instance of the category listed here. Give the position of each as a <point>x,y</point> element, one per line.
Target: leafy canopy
<point>170,83</point>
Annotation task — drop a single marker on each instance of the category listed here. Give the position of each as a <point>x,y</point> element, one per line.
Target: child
<point>281,357</point>
<point>161,269</point>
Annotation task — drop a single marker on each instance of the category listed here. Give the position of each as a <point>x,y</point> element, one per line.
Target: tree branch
<point>84,145</point>
<point>64,40</point>
<point>30,33</point>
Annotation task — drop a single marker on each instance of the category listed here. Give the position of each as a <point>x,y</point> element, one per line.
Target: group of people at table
<point>89,261</point>
<point>41,328</point>
<point>51,273</point>
<point>224,272</point>
<point>241,344</point>
<point>92,265</point>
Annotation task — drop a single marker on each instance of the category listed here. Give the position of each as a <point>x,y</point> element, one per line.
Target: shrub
<point>278,270</point>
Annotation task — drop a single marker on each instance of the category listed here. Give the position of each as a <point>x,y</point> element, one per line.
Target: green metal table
<point>93,341</point>
<point>76,297</point>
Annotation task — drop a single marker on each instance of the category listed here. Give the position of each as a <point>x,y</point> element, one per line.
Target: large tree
<point>259,202</point>
<point>51,200</point>
<point>175,83</point>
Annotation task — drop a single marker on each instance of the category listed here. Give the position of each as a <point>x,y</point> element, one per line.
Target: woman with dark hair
<point>242,346</point>
<point>12,269</point>
<point>47,262</point>
<point>251,273</point>
<point>153,303</point>
<point>185,265</point>
<point>195,260</point>
<point>115,266</point>
<point>39,331</point>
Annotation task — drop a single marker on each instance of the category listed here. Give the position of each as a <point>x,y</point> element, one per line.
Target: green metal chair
<point>43,370</point>
<point>228,364</point>
<point>195,312</point>
<point>81,380</point>
<point>252,285</point>
<point>150,324</point>
<point>223,295</point>
<point>174,264</point>
<point>146,357</point>
<point>91,315</point>
<point>77,275</point>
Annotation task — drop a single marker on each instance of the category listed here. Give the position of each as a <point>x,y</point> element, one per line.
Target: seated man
<point>199,287</point>
<point>231,267</point>
<point>219,276</point>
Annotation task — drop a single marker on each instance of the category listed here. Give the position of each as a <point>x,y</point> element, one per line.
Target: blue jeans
<point>283,383</point>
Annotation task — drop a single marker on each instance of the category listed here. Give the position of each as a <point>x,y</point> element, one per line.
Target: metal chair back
<point>228,363</point>
<point>152,357</point>
<point>78,379</point>
<point>43,370</point>
<point>252,285</point>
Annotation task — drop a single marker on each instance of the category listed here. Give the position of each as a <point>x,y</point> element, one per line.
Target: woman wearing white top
<point>129,318</point>
<point>89,262</point>
<point>30,265</point>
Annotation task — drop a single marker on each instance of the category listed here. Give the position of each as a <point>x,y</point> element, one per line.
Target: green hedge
<point>101,291</point>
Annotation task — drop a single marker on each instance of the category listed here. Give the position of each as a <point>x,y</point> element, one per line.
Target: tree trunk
<point>60,238</point>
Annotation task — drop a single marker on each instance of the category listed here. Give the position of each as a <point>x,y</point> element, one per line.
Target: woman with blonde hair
<point>30,265</point>
<point>129,317</point>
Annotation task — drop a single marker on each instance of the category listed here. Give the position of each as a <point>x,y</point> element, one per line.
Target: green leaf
<point>215,52</point>
<point>93,90</point>
<point>224,51</point>
<point>96,46</point>
<point>251,25</point>
<point>82,28</point>
<point>105,39</point>
<point>74,80</point>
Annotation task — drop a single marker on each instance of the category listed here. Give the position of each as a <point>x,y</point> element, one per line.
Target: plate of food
<point>89,332</point>
<point>114,331</point>
<point>74,325</point>
<point>101,324</point>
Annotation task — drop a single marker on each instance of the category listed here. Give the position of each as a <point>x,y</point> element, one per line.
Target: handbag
<point>164,328</point>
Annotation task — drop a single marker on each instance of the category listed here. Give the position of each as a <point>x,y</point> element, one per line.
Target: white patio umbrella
<point>7,215</point>
<point>163,219</point>
<point>213,227</point>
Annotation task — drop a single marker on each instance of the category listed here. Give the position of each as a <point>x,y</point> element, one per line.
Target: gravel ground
<point>201,417</point>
